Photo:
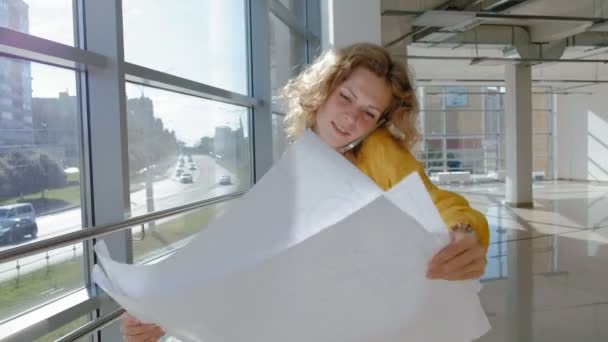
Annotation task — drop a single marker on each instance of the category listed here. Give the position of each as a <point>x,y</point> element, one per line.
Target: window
<point>61,134</point>
<point>279,138</point>
<point>39,166</point>
<point>184,149</point>
<point>297,7</point>
<point>469,135</point>
<point>201,40</point>
<point>157,238</point>
<point>287,55</point>
<point>51,20</point>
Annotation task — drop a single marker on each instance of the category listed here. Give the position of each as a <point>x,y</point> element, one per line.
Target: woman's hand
<point>135,331</point>
<point>464,258</point>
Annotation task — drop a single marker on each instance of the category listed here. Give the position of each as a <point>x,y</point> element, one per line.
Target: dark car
<point>14,230</point>
<point>225,180</point>
<point>186,178</point>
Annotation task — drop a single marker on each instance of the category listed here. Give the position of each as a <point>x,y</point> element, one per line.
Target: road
<point>167,192</point>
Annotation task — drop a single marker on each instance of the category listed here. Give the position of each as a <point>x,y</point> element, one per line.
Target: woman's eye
<point>370,115</point>
<point>345,97</point>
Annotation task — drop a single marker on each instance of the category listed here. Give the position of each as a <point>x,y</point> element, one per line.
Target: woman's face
<point>353,108</point>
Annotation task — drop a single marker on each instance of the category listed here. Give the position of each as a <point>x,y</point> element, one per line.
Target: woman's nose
<point>350,116</point>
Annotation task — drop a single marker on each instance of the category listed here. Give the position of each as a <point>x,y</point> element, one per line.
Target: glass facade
<point>185,114</point>
<point>464,130</point>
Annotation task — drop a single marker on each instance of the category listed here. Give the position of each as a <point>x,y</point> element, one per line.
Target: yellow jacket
<point>386,162</point>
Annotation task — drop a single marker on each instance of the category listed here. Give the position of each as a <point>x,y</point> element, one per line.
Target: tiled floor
<point>547,275</point>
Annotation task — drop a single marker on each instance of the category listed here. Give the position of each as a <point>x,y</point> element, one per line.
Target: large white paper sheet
<point>314,252</point>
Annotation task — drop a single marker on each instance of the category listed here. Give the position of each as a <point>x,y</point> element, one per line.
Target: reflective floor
<point>547,275</point>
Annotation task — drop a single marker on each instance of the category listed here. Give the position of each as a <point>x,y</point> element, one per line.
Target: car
<point>225,180</point>
<point>18,210</point>
<point>186,178</point>
<point>192,167</point>
<point>14,230</point>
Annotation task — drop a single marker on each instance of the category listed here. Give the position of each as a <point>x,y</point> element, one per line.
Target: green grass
<point>73,178</point>
<point>177,229</point>
<point>54,199</point>
<point>64,330</point>
<point>32,288</point>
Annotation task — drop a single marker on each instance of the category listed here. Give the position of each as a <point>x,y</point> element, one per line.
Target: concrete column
<point>518,122</point>
<point>520,291</point>
<point>345,22</point>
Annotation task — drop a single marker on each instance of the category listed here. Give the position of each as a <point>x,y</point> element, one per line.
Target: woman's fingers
<point>473,270</point>
<point>460,244</point>
<point>144,329</point>
<point>448,252</point>
<point>462,259</point>
<point>134,330</point>
<point>458,263</point>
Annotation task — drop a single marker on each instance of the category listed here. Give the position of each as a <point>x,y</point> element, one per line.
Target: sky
<point>202,40</point>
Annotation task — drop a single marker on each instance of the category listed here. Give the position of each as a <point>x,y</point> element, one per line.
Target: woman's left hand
<point>464,258</point>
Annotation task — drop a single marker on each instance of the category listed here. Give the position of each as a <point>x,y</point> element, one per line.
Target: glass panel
<point>465,154</point>
<point>297,7</point>
<point>279,138</point>
<point>39,181</point>
<point>542,101</point>
<point>457,97</point>
<point>39,145</point>
<point>540,152</point>
<point>157,238</point>
<point>433,122</point>
<point>42,18</point>
<point>37,279</point>
<point>433,154</point>
<point>184,149</point>
<point>462,122</point>
<point>287,55</point>
<point>202,40</point>
<point>66,329</point>
<point>541,121</point>
<point>433,98</point>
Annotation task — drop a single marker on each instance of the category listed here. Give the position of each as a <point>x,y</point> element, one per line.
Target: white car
<point>186,178</point>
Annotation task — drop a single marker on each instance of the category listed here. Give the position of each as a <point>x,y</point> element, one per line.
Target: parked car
<point>18,210</point>
<point>186,178</point>
<point>225,180</point>
<point>14,230</point>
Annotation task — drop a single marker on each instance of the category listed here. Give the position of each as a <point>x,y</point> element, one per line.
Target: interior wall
<point>582,135</point>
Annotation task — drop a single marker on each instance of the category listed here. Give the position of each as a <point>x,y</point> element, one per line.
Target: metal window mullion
<point>422,116</point>
<point>444,119</point>
<point>161,80</point>
<point>313,25</point>
<point>259,36</point>
<point>21,45</point>
<point>86,203</point>
<point>109,180</point>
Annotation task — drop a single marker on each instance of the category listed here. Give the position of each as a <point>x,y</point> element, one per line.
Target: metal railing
<point>93,232</point>
<point>92,327</point>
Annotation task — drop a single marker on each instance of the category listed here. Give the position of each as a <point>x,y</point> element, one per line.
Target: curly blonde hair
<point>305,94</point>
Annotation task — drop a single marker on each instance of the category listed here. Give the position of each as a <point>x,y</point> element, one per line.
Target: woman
<point>360,102</point>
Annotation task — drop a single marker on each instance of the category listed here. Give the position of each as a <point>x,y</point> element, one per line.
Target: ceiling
<point>465,34</point>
